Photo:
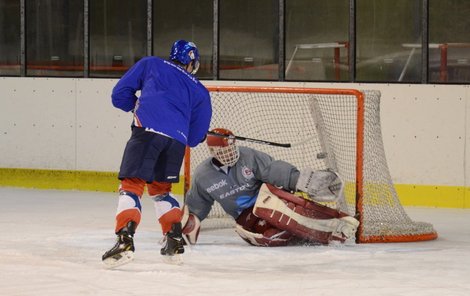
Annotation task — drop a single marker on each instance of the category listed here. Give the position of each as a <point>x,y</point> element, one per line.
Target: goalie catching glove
<point>321,186</point>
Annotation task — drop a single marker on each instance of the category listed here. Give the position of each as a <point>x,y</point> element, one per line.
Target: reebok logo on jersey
<point>216,186</point>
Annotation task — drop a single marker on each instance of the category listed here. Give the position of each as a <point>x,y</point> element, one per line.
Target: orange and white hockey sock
<point>129,209</point>
<point>168,211</point>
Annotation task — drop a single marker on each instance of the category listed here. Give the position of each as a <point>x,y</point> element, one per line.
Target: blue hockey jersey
<point>171,102</point>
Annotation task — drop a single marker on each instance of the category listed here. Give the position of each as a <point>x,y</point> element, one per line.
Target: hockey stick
<point>257,141</point>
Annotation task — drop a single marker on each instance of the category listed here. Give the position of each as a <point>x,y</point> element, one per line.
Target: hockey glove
<point>321,186</point>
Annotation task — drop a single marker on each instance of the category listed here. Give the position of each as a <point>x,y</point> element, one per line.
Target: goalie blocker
<point>280,218</point>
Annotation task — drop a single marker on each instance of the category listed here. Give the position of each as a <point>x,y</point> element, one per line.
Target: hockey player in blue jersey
<point>173,110</point>
<point>257,191</point>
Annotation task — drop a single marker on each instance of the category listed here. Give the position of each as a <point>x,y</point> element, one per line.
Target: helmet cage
<point>221,144</point>
<point>226,155</point>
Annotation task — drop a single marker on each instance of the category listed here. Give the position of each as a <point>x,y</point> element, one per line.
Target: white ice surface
<point>52,241</point>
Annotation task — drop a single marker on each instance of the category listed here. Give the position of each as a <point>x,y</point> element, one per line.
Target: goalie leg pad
<point>191,226</point>
<point>303,218</point>
<point>258,232</point>
<point>274,239</point>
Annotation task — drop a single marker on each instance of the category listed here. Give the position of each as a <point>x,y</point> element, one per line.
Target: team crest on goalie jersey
<point>247,173</point>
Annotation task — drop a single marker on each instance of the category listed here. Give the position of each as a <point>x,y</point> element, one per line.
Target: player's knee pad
<point>304,218</point>
<point>128,200</point>
<point>258,232</point>
<point>165,200</point>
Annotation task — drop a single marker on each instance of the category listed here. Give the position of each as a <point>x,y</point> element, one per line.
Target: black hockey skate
<point>123,250</point>
<point>173,245</point>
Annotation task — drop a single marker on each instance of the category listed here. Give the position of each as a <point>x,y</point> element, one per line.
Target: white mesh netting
<point>322,129</point>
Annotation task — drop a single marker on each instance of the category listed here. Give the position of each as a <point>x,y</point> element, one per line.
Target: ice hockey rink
<point>52,242</point>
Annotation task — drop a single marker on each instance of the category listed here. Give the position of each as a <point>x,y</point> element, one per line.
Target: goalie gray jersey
<point>236,188</point>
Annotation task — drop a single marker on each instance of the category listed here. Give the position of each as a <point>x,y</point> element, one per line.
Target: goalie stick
<point>286,145</point>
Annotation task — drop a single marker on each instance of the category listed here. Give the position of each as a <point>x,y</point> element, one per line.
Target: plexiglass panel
<point>10,38</point>
<point>54,38</point>
<point>194,23</point>
<point>118,36</point>
<point>449,41</point>
<point>248,46</point>
<point>389,40</point>
<point>317,40</point>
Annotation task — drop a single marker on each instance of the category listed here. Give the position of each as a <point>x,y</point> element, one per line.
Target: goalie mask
<point>223,147</point>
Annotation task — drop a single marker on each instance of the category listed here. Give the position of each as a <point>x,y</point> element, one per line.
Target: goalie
<point>256,190</point>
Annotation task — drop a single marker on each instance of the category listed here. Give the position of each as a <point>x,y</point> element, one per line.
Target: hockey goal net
<point>327,128</point>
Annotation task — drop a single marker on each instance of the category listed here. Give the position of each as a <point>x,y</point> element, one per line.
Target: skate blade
<point>176,259</point>
<point>118,259</point>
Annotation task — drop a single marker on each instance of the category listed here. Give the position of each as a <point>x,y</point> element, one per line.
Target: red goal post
<point>327,128</point>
